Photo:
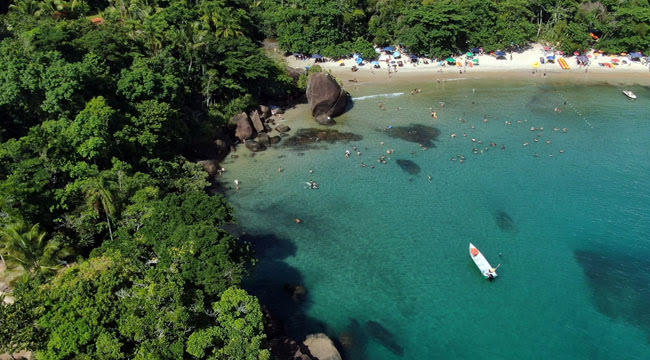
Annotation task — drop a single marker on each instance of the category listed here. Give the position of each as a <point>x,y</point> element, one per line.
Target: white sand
<point>521,62</point>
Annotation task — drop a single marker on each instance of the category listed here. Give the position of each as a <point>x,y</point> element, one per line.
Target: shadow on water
<point>306,139</point>
<point>378,332</point>
<point>420,134</point>
<point>504,221</point>
<point>353,341</point>
<point>620,285</point>
<point>274,281</point>
<point>409,166</point>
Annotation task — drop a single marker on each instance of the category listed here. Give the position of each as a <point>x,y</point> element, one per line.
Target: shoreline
<point>520,67</point>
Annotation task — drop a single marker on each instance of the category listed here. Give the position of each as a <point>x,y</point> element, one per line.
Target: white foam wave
<point>378,95</point>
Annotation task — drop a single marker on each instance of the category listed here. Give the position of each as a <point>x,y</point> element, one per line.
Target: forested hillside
<point>442,27</point>
<point>112,247</point>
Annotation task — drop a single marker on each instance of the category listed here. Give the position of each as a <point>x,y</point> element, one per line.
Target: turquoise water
<point>571,231</point>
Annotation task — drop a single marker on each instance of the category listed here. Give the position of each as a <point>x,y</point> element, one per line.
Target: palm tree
<point>100,197</point>
<point>25,246</point>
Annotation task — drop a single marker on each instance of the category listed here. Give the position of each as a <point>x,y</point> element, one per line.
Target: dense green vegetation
<point>103,209</point>
<point>115,249</point>
<point>441,27</point>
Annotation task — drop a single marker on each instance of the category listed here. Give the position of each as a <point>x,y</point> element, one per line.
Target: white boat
<point>629,94</point>
<point>481,262</point>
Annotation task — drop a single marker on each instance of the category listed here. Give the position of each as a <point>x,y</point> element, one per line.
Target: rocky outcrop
<point>282,128</point>
<point>257,121</point>
<point>326,98</point>
<point>265,111</point>
<point>282,346</point>
<point>210,166</point>
<point>245,129</point>
<point>322,347</point>
<point>255,146</point>
<point>295,73</point>
<point>264,139</point>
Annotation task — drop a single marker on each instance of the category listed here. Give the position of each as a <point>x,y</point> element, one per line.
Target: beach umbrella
<point>475,61</point>
<point>316,56</point>
<point>576,53</point>
<point>547,48</point>
<point>500,53</point>
<point>561,52</point>
<point>536,64</point>
<point>413,56</point>
<point>469,54</point>
<point>389,48</point>
<point>341,61</point>
<point>359,60</point>
<point>476,50</point>
<point>551,57</point>
<point>374,63</point>
<point>615,60</point>
<point>396,54</point>
<point>451,60</point>
<point>623,53</point>
<point>636,55</point>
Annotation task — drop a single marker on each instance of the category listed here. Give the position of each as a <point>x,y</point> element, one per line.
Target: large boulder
<point>255,146</point>
<point>282,128</point>
<point>322,347</point>
<point>265,111</point>
<point>257,121</point>
<point>245,129</point>
<point>326,98</point>
<point>264,139</point>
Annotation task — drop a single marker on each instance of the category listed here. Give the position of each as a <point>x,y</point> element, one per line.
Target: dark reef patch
<point>504,221</point>
<point>305,139</point>
<point>409,166</point>
<point>420,134</point>
<point>620,285</point>
<point>378,332</point>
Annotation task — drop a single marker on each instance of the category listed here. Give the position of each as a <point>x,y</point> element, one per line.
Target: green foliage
<point>304,77</point>
<point>25,246</point>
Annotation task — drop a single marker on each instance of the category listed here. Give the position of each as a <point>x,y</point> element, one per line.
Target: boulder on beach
<point>210,166</point>
<point>255,146</point>
<point>257,121</point>
<point>244,129</point>
<point>282,128</point>
<point>322,347</point>
<point>326,98</point>
<point>264,139</point>
<point>265,111</point>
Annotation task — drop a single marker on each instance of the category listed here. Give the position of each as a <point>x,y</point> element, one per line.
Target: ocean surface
<point>383,249</point>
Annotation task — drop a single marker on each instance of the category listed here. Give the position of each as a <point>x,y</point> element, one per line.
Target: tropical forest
<point>113,236</point>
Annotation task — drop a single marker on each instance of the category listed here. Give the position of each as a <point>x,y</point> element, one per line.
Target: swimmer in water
<point>434,115</point>
<point>453,136</point>
<point>311,171</point>
<point>280,169</point>
<point>347,153</point>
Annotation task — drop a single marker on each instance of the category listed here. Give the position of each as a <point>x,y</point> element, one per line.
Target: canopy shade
<point>551,57</point>
<point>636,55</point>
<point>500,53</point>
<point>389,48</point>
<point>316,56</point>
<point>396,54</point>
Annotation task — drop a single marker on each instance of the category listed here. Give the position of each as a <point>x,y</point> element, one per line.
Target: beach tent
<point>636,55</point>
<point>397,55</point>
<point>451,60</point>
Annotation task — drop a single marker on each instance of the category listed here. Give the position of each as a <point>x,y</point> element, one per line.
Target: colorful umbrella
<point>451,60</point>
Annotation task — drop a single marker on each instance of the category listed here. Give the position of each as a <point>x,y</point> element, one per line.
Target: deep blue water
<point>387,246</point>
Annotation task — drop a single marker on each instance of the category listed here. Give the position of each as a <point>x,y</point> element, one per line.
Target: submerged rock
<point>304,138</point>
<point>297,291</point>
<point>282,128</point>
<point>416,133</point>
<point>255,146</point>
<point>409,166</point>
<point>322,347</point>
<point>384,337</point>
<point>504,221</point>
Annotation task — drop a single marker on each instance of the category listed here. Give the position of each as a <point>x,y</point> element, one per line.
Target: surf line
<point>570,104</point>
<point>378,95</point>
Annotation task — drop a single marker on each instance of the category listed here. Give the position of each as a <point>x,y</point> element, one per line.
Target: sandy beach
<point>520,65</point>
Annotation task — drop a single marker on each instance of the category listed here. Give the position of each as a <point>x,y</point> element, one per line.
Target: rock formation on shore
<point>326,98</point>
<point>322,347</point>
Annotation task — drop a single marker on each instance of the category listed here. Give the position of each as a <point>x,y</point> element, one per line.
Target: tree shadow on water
<point>278,285</point>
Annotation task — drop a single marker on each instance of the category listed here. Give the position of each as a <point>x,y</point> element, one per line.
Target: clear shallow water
<point>387,246</point>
